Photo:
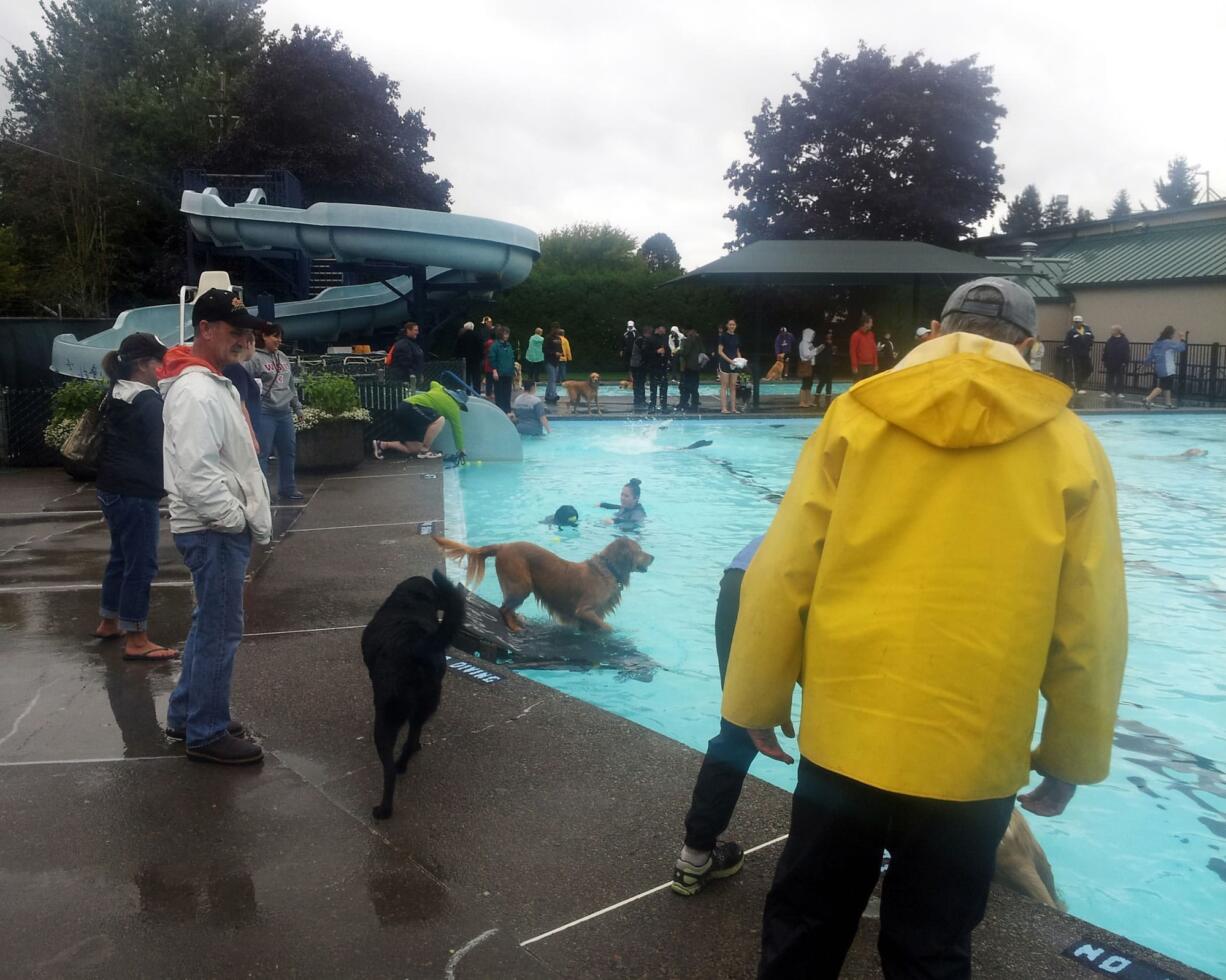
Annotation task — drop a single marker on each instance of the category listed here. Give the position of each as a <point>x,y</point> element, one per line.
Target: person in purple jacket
<point>785,347</point>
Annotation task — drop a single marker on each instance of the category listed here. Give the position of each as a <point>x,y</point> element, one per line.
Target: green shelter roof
<point>1159,255</point>
<point>843,263</point>
<point>1039,275</point>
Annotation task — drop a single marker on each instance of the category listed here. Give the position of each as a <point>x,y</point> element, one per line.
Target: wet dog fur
<point>581,593</point>
<point>404,648</point>
<point>1021,865</point>
<point>584,391</point>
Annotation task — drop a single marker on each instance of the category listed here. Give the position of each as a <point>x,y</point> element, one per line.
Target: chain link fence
<point>24,413</point>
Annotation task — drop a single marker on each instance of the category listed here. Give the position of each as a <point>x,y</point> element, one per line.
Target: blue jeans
<point>277,432</point>
<point>551,389</point>
<point>133,522</point>
<point>201,700</point>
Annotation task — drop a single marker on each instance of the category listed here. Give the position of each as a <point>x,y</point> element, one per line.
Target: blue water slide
<point>455,249</point>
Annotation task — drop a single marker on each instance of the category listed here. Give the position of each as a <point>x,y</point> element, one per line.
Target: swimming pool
<point>1143,854</point>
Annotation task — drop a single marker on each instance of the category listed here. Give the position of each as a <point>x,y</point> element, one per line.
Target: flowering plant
<point>312,417</point>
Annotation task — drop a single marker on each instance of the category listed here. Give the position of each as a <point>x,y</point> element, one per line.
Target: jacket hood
<point>808,334</point>
<point>963,391</point>
<point>178,359</point>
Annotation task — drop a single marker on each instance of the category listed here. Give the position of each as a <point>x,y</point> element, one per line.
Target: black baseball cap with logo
<point>224,304</point>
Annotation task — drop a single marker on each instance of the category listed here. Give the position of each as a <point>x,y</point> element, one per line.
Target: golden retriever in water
<point>625,384</point>
<point>1021,865</point>
<point>584,391</point>
<point>576,592</point>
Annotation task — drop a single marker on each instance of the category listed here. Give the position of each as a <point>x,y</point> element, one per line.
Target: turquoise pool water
<point>1143,854</point>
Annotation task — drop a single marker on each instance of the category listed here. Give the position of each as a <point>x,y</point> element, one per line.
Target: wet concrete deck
<point>526,812</point>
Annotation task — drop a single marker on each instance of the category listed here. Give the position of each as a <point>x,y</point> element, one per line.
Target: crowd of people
<point>919,750</point>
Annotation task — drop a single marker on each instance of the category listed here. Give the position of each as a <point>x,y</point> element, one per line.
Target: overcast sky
<point>548,113</point>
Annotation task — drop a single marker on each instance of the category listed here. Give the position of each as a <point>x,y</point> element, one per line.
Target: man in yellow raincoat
<point>948,550</point>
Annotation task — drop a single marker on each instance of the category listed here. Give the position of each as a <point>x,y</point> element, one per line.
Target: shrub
<point>68,404</point>
<point>75,398</point>
<point>332,394</point>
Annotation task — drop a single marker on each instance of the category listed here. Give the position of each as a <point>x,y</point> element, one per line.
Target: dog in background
<point>573,592</point>
<point>404,647</point>
<point>776,371</point>
<point>584,391</point>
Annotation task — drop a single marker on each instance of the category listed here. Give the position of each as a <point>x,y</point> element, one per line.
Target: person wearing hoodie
<point>1164,359</point>
<point>218,507</point>
<point>1078,345</point>
<point>279,405</point>
<point>129,486</point>
<point>1116,354</point>
<point>917,715</point>
<point>806,353</point>
<point>785,348</point>
<point>502,367</point>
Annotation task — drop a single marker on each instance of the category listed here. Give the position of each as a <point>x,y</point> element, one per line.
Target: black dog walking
<point>404,647</point>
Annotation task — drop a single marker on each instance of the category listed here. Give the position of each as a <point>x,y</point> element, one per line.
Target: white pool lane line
<point>315,629</point>
<point>630,900</point>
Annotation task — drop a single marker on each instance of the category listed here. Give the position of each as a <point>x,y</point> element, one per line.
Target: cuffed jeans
<point>133,522</point>
<point>277,432</point>
<point>201,700</point>
<point>942,856</point>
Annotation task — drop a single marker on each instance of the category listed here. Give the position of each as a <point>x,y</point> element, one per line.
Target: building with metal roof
<point>1142,272</point>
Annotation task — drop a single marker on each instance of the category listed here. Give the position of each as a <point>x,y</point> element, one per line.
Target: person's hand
<point>495,375</point>
<point>764,741</point>
<point>1049,798</point>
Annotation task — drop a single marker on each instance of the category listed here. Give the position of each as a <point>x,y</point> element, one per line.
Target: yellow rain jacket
<point>947,549</point>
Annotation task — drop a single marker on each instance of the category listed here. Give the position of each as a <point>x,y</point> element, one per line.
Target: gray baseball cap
<point>997,298</point>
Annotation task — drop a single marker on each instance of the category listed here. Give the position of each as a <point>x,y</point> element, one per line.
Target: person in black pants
<point>471,350</point>
<point>1116,354</point>
<point>942,856</point>
<point>658,358</point>
<point>729,755</point>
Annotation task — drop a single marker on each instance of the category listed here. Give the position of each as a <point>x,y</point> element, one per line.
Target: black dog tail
<point>452,603</point>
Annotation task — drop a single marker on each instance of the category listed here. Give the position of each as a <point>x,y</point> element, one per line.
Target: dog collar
<point>612,571</point>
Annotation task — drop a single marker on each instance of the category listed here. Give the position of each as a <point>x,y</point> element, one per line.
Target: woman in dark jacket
<point>129,487</point>
<point>1116,355</point>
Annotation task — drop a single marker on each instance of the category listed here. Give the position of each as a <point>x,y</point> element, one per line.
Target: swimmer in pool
<point>1186,454</point>
<point>630,512</point>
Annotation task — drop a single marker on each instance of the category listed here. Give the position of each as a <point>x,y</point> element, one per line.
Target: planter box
<point>331,446</point>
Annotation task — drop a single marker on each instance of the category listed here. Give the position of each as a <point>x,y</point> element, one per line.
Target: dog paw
<point>381,812</point>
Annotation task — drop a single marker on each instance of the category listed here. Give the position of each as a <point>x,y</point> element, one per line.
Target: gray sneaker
<point>724,861</point>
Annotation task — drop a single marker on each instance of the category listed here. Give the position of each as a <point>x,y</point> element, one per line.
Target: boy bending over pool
<point>704,857</point>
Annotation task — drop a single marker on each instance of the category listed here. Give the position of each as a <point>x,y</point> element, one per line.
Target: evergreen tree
<point>1057,214</point>
<point>1024,213</point>
<point>1180,189</point>
<point>1121,207</point>
<point>1083,215</point>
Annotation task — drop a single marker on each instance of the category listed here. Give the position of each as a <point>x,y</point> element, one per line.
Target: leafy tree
<point>871,147</point>
<point>1056,213</point>
<point>1024,213</point>
<point>1083,215</point>
<point>585,247</point>
<point>1121,206</point>
<point>105,109</point>
<point>312,106</point>
<point>1180,189</point>
<point>591,278</point>
<point>660,252</point>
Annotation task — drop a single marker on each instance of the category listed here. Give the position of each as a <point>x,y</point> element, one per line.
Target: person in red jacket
<point>863,349</point>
